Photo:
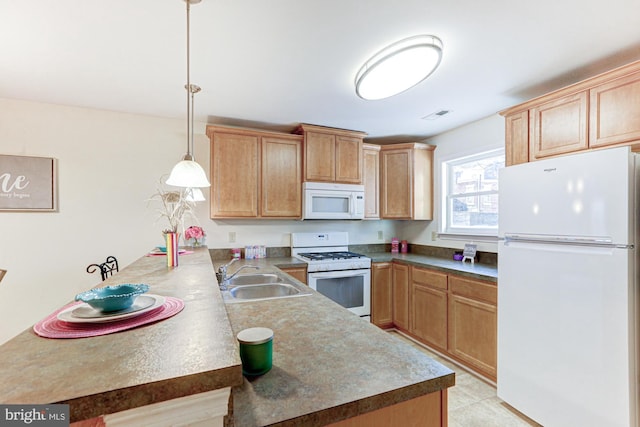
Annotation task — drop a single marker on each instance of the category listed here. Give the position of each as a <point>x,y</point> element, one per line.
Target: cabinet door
<point>429,306</point>
<point>299,273</point>
<point>381,295</point>
<point>348,159</point>
<point>401,296</point>
<point>517,138</point>
<point>371,175</point>
<point>396,172</point>
<point>234,175</point>
<point>429,310</point>
<point>281,178</point>
<point>615,112</point>
<point>559,126</point>
<point>319,157</point>
<point>473,324</point>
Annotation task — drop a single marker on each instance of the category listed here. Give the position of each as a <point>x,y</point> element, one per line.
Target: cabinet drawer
<point>429,278</point>
<point>474,289</point>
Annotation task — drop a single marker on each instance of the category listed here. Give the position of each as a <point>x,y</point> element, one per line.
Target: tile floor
<point>472,401</point>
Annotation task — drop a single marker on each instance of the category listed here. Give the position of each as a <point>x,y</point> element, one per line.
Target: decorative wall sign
<point>27,184</point>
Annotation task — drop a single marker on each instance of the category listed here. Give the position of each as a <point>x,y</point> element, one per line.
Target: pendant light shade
<point>399,67</point>
<point>188,173</point>
<point>195,195</point>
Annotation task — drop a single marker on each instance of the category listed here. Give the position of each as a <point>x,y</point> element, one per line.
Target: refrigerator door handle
<point>563,240</point>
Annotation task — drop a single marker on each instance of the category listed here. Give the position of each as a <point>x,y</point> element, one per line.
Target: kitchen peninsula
<point>328,364</point>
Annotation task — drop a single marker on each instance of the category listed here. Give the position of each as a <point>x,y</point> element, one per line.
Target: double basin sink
<point>261,286</point>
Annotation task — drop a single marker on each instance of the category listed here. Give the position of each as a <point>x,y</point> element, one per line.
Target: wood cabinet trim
<point>305,127</point>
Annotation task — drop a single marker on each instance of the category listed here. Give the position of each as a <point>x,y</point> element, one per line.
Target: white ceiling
<point>277,63</point>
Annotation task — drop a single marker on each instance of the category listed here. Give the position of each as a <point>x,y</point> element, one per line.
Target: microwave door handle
<point>352,205</point>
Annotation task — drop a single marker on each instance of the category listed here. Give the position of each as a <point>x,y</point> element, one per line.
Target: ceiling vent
<point>436,115</point>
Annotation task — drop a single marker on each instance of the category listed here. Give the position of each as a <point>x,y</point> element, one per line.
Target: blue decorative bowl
<point>112,298</point>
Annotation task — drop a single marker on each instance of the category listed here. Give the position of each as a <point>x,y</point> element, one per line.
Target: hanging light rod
<point>398,67</point>
<point>188,173</point>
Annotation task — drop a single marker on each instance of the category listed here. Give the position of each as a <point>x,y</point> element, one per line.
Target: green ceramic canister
<point>256,350</point>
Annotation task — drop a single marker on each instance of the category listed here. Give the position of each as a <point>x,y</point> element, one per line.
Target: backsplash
<point>487,258</point>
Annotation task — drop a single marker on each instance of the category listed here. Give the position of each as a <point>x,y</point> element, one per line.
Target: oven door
<point>349,288</point>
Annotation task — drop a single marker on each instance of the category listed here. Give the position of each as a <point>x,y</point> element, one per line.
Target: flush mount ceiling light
<point>188,173</point>
<point>399,67</point>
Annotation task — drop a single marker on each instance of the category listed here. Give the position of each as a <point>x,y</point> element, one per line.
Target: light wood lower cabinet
<point>381,295</point>
<point>454,315</point>
<point>429,410</point>
<point>473,323</point>
<point>429,306</point>
<point>400,279</point>
<point>299,273</point>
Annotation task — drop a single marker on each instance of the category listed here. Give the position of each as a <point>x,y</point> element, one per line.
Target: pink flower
<point>194,232</point>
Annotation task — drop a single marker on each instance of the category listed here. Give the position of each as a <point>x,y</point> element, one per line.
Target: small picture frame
<point>469,252</point>
<point>28,184</point>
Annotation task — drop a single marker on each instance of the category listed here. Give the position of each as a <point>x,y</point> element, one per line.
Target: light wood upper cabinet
<point>597,112</point>
<point>371,175</point>
<point>517,138</point>
<point>400,280</point>
<point>473,326</point>
<point>406,181</point>
<point>255,174</point>
<point>615,112</point>
<point>235,174</point>
<point>559,126</point>
<point>381,294</point>
<point>281,177</point>
<point>332,155</point>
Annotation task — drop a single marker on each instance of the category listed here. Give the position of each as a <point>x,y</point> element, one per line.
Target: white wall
<point>482,135</point>
<point>108,166</point>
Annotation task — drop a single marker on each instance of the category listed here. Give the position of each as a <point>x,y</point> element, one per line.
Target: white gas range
<point>343,276</point>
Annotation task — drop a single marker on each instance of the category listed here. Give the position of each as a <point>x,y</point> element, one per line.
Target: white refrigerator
<point>568,289</point>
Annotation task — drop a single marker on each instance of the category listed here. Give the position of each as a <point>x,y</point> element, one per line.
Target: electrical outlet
<point>380,235</point>
<point>434,236</point>
<point>232,237</point>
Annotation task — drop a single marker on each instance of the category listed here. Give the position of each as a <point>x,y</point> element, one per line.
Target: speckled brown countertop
<point>195,351</point>
<point>475,271</point>
<point>328,364</point>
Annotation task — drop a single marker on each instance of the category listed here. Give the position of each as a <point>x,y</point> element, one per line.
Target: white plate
<point>85,311</point>
<point>73,314</point>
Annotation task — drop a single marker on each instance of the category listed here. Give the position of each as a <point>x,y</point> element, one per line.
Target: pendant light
<point>399,67</point>
<point>188,173</point>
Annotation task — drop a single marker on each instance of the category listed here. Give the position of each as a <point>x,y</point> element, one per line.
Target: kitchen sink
<point>262,286</point>
<point>265,290</point>
<point>254,279</point>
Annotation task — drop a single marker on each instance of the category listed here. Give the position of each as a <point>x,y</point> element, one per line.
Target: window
<point>470,194</point>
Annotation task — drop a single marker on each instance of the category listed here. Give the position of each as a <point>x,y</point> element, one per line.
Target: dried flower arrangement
<point>175,206</point>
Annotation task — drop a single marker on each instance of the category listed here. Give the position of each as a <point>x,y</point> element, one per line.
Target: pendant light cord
<point>188,88</point>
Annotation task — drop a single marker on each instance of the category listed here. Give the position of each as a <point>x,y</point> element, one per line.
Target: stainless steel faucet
<point>221,274</point>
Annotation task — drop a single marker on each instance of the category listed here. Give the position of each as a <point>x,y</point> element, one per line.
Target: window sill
<point>468,237</point>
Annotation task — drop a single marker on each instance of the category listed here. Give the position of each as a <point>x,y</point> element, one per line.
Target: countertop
<point>192,352</point>
<point>475,271</point>
<point>328,364</point>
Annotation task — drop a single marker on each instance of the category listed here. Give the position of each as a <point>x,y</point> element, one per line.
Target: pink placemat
<point>180,252</point>
<point>52,327</point>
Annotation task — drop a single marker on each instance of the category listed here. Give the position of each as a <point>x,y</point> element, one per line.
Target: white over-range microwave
<point>325,200</point>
